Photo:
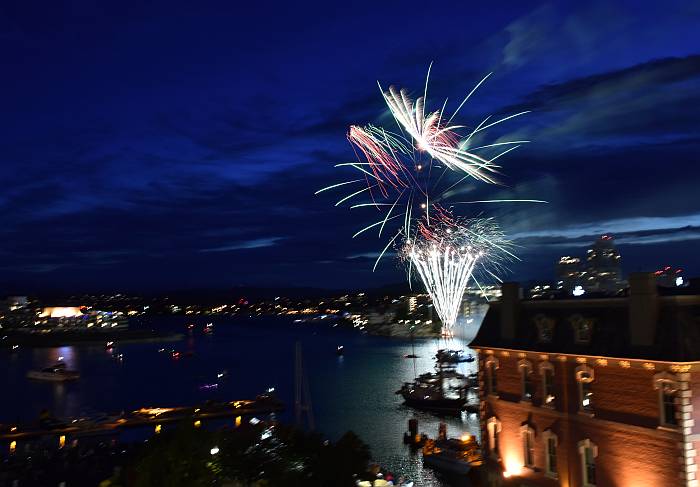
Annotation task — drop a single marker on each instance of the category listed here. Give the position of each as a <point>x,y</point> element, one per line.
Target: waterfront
<point>352,392</point>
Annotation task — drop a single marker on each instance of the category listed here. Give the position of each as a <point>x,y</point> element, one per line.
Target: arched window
<point>493,428</point>
<point>527,435</point>
<point>550,454</point>
<point>584,378</point>
<point>668,386</point>
<point>588,452</point>
<point>548,390</point>
<point>491,380</point>
<point>527,388</point>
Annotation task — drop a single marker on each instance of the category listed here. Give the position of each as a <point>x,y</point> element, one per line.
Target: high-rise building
<point>604,272</point>
<point>569,273</point>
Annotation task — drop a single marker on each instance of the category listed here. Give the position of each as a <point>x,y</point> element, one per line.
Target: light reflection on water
<point>351,392</point>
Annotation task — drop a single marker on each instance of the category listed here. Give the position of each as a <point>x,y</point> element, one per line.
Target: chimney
<point>511,294</point>
<point>643,308</point>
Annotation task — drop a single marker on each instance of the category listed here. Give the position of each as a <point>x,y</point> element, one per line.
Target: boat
<point>340,350</point>
<point>55,373</point>
<point>442,391</point>
<point>452,356</point>
<point>452,455</point>
<point>410,355</point>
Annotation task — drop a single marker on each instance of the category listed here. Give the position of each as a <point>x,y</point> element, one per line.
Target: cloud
<point>622,225</point>
<point>249,244</point>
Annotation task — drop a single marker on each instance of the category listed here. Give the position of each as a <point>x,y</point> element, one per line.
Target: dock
<point>147,416</point>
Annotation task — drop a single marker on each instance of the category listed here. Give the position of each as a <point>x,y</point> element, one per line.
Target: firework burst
<point>405,174</point>
<point>448,252</point>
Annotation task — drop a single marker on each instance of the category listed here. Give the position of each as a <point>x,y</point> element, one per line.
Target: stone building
<point>591,392</point>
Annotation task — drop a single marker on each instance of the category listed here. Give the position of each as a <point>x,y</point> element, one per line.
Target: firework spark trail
<point>446,255</point>
<point>445,272</point>
<point>397,167</point>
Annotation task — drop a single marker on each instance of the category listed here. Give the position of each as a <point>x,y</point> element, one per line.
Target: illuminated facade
<point>591,393</point>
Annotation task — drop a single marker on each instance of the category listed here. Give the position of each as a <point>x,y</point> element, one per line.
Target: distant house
<point>591,392</point>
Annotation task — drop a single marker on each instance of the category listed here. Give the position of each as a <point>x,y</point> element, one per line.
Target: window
<point>491,384</point>
<point>588,452</point>
<point>528,439</point>
<point>493,427</point>
<point>548,393</point>
<point>585,377</point>
<point>545,328</point>
<point>527,387</point>
<point>667,385</point>
<point>583,329</point>
<point>550,445</point>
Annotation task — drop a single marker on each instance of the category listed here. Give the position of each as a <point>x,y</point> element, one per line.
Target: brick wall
<point>632,450</point>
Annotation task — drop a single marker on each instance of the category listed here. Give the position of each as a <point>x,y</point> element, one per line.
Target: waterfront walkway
<point>264,404</point>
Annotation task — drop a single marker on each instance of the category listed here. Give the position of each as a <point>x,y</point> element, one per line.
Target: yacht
<point>444,391</point>
<point>55,373</point>
<point>453,455</point>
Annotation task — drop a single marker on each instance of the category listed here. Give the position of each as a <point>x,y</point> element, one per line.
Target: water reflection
<point>354,391</point>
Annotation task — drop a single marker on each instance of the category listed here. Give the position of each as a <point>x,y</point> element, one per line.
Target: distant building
<point>569,273</point>
<point>670,277</point>
<point>591,392</point>
<point>600,273</point>
<point>604,267</point>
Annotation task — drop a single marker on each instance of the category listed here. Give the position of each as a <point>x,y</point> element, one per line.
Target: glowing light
<point>413,167</point>
<point>13,446</point>
<point>214,450</point>
<point>578,291</point>
<point>158,428</point>
<point>61,312</point>
<point>445,254</point>
<point>62,441</point>
<point>197,423</point>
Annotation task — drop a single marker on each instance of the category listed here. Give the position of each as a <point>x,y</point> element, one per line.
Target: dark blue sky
<point>167,145</point>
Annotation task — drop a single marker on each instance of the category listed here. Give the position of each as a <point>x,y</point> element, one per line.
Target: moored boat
<point>453,455</point>
<point>55,373</point>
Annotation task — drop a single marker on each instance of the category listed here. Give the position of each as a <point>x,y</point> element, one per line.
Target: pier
<point>146,416</point>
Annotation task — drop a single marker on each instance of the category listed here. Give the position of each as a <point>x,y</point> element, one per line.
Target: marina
<point>353,391</point>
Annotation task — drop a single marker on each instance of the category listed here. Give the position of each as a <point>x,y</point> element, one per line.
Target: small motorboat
<point>452,455</point>
<point>55,373</point>
<point>410,355</point>
<point>452,356</point>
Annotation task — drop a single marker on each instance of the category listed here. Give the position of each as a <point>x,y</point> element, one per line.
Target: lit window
<point>491,379</point>
<point>585,377</point>
<point>493,428</point>
<point>527,387</point>
<point>550,445</point>
<point>528,439</point>
<point>667,385</point>
<point>545,328</point>
<point>548,391</point>
<point>588,452</point>
<point>583,329</point>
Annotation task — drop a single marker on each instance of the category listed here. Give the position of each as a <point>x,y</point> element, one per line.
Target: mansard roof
<point>676,334</point>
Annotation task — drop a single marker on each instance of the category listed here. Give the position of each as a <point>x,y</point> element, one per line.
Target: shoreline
<point>68,338</point>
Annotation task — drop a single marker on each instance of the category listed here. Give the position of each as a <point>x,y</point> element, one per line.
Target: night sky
<point>153,146</point>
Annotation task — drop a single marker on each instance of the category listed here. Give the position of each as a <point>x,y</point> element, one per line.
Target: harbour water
<point>350,392</point>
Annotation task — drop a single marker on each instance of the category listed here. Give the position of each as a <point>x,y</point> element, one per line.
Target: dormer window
<point>583,329</point>
<point>545,328</point>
